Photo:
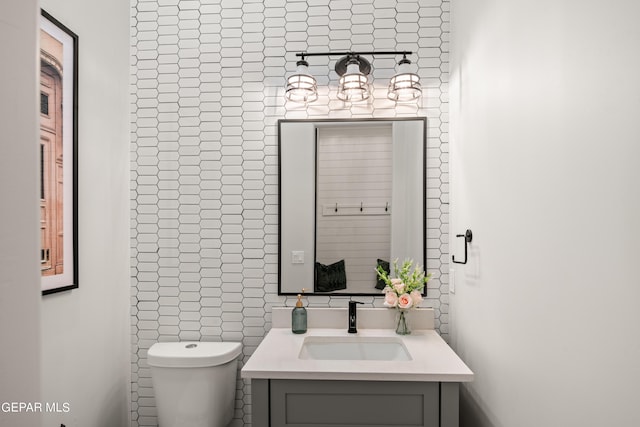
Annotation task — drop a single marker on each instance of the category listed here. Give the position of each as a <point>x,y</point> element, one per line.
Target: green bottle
<point>299,317</point>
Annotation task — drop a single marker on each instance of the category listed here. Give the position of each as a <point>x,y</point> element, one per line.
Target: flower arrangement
<point>405,290</point>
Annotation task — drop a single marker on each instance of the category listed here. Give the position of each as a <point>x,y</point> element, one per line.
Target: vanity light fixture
<point>353,86</point>
<point>301,85</point>
<point>404,86</point>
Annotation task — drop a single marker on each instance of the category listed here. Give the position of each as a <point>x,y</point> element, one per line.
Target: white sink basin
<point>354,348</point>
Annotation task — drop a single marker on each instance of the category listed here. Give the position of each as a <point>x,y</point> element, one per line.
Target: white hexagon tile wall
<point>207,90</point>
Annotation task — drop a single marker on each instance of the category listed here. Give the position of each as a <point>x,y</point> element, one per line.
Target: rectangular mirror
<point>352,195</point>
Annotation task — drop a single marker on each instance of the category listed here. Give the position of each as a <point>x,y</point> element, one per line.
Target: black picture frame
<point>58,156</point>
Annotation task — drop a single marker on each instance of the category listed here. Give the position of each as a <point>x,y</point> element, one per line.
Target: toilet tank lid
<point>192,354</point>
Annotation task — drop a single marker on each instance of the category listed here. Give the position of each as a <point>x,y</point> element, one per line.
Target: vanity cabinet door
<point>298,403</point>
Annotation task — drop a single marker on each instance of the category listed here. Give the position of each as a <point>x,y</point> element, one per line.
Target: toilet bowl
<point>194,382</point>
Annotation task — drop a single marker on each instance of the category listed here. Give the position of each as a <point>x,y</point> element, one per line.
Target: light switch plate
<point>452,281</point>
<point>297,257</point>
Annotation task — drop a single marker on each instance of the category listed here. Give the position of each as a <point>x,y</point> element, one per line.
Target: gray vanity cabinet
<point>324,403</point>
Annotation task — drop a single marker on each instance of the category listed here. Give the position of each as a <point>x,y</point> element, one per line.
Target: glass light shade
<point>353,85</point>
<point>405,85</point>
<point>301,85</point>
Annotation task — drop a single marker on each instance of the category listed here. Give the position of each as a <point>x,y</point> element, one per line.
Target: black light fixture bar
<point>384,52</point>
<point>365,65</point>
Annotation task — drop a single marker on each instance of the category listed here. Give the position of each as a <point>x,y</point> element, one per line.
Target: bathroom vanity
<point>328,377</point>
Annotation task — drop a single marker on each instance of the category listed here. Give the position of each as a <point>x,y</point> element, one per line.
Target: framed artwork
<point>58,156</point>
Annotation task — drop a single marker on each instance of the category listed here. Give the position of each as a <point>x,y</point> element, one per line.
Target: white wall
<point>544,112</point>
<point>85,348</point>
<point>407,194</point>
<point>297,202</point>
<point>19,237</point>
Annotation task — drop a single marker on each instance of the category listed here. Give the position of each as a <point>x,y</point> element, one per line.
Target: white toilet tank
<point>194,382</point>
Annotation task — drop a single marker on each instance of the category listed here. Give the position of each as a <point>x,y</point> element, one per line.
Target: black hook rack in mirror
<point>468,236</point>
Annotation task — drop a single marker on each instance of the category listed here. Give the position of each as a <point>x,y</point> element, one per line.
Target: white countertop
<point>432,359</point>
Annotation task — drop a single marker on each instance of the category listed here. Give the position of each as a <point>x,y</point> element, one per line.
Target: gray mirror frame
<point>424,195</point>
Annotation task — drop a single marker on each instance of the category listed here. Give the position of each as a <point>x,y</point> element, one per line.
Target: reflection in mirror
<point>352,196</point>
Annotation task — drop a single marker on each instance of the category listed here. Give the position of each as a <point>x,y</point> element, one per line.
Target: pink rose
<point>390,299</point>
<point>416,296</point>
<point>398,286</point>
<point>405,301</point>
<point>387,289</point>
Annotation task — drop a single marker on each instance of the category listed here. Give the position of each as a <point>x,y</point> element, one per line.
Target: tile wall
<point>206,94</point>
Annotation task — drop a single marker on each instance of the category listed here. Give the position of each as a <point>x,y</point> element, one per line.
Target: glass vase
<point>402,325</point>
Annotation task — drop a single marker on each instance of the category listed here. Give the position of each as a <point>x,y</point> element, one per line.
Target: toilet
<point>194,382</point>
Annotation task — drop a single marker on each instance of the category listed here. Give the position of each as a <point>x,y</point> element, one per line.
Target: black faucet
<point>352,317</point>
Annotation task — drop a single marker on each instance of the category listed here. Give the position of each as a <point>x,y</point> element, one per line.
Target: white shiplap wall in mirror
<point>354,168</point>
